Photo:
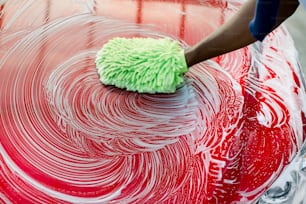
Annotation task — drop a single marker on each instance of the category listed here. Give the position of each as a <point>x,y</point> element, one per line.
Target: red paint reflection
<point>1,14</point>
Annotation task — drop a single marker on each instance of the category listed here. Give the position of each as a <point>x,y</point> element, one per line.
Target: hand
<point>188,57</point>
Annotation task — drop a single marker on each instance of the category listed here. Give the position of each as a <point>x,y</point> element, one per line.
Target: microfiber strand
<point>145,65</point>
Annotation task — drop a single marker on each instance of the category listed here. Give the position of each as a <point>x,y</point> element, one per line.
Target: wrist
<point>189,57</point>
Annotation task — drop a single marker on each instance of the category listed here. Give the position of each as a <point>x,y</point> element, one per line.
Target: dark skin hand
<point>235,33</point>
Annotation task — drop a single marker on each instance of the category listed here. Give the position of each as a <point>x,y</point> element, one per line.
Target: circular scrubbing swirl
<point>145,65</point>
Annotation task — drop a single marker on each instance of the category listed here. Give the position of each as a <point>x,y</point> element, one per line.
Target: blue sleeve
<point>265,18</point>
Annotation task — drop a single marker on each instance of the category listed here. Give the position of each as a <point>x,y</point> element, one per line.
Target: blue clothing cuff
<point>264,20</point>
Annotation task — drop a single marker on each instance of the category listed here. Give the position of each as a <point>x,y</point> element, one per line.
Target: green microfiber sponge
<point>145,65</point>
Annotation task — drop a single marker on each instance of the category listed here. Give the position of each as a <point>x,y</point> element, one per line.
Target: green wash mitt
<point>145,65</point>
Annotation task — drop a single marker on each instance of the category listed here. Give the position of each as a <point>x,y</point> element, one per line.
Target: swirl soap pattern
<point>225,136</point>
